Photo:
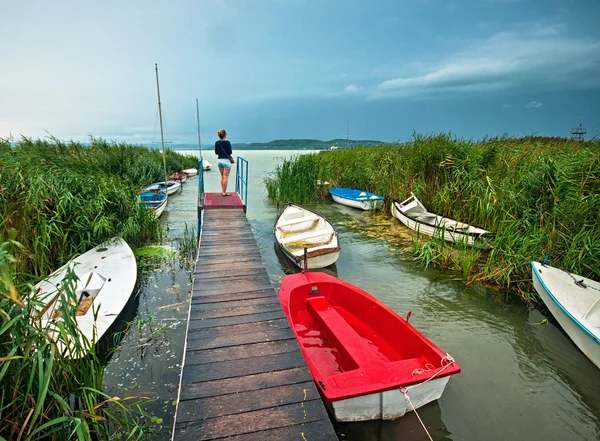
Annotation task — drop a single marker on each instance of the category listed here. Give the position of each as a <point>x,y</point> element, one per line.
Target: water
<point>520,379</point>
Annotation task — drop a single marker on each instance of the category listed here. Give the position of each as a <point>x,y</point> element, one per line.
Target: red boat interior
<point>353,342</point>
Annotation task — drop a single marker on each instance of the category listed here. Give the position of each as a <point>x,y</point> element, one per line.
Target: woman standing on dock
<point>224,161</point>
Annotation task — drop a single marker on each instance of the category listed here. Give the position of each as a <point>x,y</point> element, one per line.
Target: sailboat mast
<point>198,117</point>
<point>162,136</point>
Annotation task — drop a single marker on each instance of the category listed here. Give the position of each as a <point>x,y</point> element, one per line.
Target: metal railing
<point>241,180</point>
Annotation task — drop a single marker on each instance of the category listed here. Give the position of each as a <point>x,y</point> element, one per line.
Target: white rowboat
<point>298,228</point>
<point>106,278</point>
<point>574,301</point>
<point>416,217</point>
<point>190,171</point>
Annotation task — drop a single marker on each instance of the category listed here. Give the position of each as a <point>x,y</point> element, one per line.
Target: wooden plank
<point>236,340</point>
<point>313,431</point>
<point>240,352</point>
<point>234,296</point>
<point>243,328</point>
<point>249,382</point>
<point>220,260</point>
<point>227,369</point>
<point>212,289</point>
<point>209,268</point>
<point>222,321</point>
<point>213,306</point>
<point>245,401</point>
<point>231,312</point>
<point>256,421</point>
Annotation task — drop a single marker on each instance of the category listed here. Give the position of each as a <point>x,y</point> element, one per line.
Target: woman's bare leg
<point>224,179</point>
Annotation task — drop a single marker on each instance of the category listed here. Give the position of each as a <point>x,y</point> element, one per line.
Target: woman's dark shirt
<point>222,147</point>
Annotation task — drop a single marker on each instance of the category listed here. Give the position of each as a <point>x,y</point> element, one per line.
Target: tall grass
<point>64,198</point>
<point>57,200</point>
<point>43,394</point>
<point>539,195</point>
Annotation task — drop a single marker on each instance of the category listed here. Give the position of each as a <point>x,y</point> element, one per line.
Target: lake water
<point>521,379</point>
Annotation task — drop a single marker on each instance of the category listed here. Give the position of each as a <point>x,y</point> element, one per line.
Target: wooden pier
<point>243,375</point>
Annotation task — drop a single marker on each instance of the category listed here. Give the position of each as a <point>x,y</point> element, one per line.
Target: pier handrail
<point>241,180</point>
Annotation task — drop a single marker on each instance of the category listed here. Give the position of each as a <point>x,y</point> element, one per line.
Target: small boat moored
<point>574,301</point>
<point>351,197</point>
<point>298,228</point>
<point>367,361</point>
<point>190,171</point>
<point>155,200</point>
<point>170,187</point>
<point>181,177</point>
<point>106,277</point>
<point>415,216</point>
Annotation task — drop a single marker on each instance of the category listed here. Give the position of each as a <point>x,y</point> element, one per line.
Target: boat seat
<point>304,236</point>
<point>345,334</point>
<point>298,220</point>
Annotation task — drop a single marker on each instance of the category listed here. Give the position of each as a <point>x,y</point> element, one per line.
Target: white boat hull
<point>173,188</point>
<point>112,269</point>
<point>159,210</point>
<point>361,205</point>
<point>441,231</point>
<point>581,321</point>
<point>190,171</point>
<point>387,405</point>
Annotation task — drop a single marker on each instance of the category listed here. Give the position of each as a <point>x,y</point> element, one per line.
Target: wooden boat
<point>362,355</point>
<point>574,301</point>
<point>181,177</point>
<point>416,217</point>
<point>298,228</point>
<point>170,187</point>
<point>155,200</point>
<point>190,171</point>
<point>351,197</point>
<point>106,277</point>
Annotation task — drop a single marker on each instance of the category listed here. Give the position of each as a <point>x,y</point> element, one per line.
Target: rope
<point>580,283</point>
<point>405,392</point>
<point>448,359</point>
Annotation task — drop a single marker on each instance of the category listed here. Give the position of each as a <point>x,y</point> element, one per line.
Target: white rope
<point>446,361</point>
<point>449,362</point>
<point>405,392</point>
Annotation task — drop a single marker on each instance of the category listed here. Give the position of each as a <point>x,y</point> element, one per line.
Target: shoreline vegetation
<point>538,195</point>
<point>57,200</point>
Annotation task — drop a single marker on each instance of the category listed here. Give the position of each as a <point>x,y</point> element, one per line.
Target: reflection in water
<point>406,428</point>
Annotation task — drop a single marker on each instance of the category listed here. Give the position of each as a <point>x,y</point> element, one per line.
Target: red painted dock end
<point>217,200</point>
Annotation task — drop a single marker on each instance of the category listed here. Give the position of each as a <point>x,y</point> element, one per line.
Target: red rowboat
<point>182,177</point>
<point>367,361</point>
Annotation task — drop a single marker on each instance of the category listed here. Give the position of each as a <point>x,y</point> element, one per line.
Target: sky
<point>281,69</point>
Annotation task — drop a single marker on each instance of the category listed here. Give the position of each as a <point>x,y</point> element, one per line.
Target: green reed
<point>44,395</point>
<point>538,195</point>
<point>59,199</point>
<point>65,198</point>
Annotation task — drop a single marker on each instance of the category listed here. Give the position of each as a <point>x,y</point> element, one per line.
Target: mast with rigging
<point>162,136</point>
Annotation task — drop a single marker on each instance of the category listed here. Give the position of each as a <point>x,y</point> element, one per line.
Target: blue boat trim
<point>334,191</point>
<point>567,313</point>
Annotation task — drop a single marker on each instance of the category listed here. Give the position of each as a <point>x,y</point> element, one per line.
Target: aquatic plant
<point>539,195</point>
<point>64,198</point>
<point>45,395</point>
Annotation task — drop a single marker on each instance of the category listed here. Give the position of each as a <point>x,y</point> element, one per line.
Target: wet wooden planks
<point>244,377</point>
